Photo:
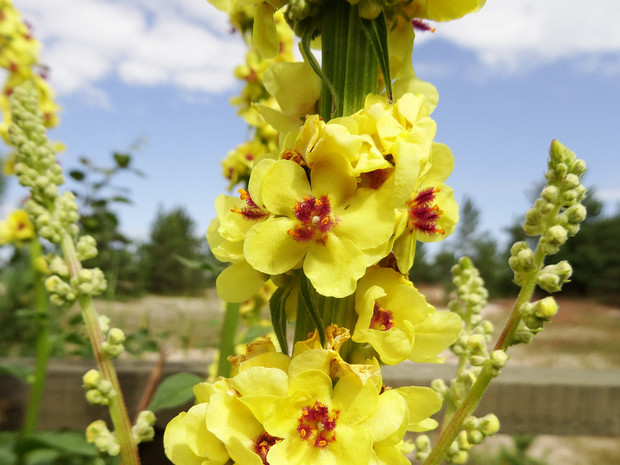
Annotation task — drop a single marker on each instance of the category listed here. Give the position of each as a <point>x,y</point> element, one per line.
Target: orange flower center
<point>315,219</point>
<point>382,319</point>
<point>317,425</point>
<point>262,445</point>
<point>423,213</point>
<point>250,210</point>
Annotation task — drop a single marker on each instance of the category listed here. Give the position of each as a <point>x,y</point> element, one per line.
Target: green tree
<point>98,195</point>
<point>172,244</point>
<point>594,254</point>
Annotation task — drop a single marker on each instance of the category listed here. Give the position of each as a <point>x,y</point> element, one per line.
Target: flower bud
<point>91,379</point>
<point>579,167</point>
<point>116,336</point>
<point>143,429</point>
<point>95,397</point>
<point>489,424</point>
<point>545,308</point>
<point>576,213</point>
<point>475,437</point>
<point>550,194</point>
<point>498,358</point>
<point>86,248</point>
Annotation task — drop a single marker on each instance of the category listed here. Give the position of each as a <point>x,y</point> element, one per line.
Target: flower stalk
<point>43,344</point>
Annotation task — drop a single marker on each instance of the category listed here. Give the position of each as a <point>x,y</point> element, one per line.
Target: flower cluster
<point>298,12</point>
<point>311,408</point>
<point>253,73</point>
<point>339,197</point>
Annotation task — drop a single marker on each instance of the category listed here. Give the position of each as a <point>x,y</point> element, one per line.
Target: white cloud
<point>184,43</point>
<point>187,43</point>
<point>608,195</point>
<point>513,35</point>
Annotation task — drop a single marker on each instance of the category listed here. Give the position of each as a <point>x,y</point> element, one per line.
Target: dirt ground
<point>584,334</point>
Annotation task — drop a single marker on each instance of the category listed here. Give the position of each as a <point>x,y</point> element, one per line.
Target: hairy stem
<point>116,406</point>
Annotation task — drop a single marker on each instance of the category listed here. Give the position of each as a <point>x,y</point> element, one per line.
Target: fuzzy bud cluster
<point>99,391</point>
<point>86,248</point>
<point>113,345</point>
<point>143,429</point>
<point>521,261</point>
<point>557,213</point>
<point>105,441</point>
<point>472,298</point>
<point>89,281</point>
<point>552,277</point>
<point>475,430</point>
<point>423,447</point>
<point>61,292</point>
<point>535,314</point>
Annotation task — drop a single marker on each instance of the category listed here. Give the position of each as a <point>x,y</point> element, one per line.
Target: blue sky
<point>511,78</point>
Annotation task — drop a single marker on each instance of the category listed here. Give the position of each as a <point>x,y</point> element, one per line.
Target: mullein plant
<point>332,217</point>
<point>54,216</point>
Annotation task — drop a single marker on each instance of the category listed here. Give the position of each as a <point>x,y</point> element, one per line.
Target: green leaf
<point>277,305</point>
<point>174,391</point>
<point>122,159</point>
<point>70,442</point>
<point>77,175</point>
<point>376,31</point>
<point>312,307</point>
<point>254,332</point>
<point>18,370</point>
<point>304,47</point>
<point>120,199</point>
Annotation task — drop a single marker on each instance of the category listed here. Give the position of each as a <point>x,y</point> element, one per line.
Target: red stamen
<point>382,319</point>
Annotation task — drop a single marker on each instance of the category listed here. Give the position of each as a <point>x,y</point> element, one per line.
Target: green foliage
<point>17,320</point>
<point>98,195</point>
<point>172,236</point>
<point>594,255</point>
<point>174,391</point>
<point>49,448</point>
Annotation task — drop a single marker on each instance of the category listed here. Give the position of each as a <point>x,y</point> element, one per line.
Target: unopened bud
<point>545,308</point>
<point>489,424</point>
<point>91,379</point>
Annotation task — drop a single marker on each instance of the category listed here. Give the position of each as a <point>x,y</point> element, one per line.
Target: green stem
<point>348,60</point>
<point>451,430</point>
<point>116,406</point>
<point>43,343</point>
<point>227,338</point>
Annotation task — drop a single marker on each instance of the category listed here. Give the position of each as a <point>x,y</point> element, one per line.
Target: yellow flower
<point>395,319</point>
<point>296,88</point>
<point>226,235</point>
<point>187,441</point>
<point>321,424</point>
<point>431,212</point>
<point>322,225</point>
<point>238,163</point>
<point>441,10</point>
<point>16,228</point>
